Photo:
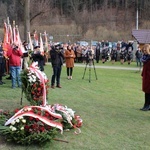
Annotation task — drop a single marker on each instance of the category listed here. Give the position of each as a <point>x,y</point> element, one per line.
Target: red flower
<point>78,121</point>
<point>39,113</point>
<point>37,119</point>
<point>42,129</point>
<point>46,114</point>
<point>16,110</point>
<point>39,89</point>
<point>49,127</point>
<point>26,127</point>
<point>33,92</point>
<point>34,85</point>
<point>31,118</point>
<point>34,126</point>
<point>41,85</point>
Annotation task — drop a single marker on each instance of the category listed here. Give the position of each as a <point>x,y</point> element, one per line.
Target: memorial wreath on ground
<point>39,122</point>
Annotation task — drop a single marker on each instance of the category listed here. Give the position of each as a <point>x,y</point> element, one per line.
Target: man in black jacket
<point>57,58</point>
<point>97,52</point>
<point>1,63</point>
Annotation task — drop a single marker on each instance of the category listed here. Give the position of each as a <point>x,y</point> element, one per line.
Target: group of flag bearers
<point>17,54</point>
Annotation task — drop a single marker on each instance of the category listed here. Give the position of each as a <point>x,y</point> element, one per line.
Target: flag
<point>41,45</point>
<point>5,39</point>
<point>46,42</point>
<point>10,34</point>
<point>35,40</point>
<point>30,42</point>
<point>17,39</point>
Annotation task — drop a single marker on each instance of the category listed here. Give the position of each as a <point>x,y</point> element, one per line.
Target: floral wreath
<point>35,85</point>
<point>39,122</point>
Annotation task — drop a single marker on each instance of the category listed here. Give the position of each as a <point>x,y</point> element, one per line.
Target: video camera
<point>58,47</point>
<point>89,54</point>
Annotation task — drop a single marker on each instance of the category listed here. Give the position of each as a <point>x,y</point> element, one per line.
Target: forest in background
<point>74,20</point>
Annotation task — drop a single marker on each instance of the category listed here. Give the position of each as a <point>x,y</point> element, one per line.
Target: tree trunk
<point>26,19</point>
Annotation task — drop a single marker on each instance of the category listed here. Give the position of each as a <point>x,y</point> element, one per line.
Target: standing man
<point>97,52</point>
<point>138,55</point>
<point>14,54</point>
<point>57,58</point>
<point>2,60</point>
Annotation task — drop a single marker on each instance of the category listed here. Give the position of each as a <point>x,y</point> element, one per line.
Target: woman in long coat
<point>69,58</point>
<point>146,76</point>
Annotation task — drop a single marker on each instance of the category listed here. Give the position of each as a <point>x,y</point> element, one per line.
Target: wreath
<point>39,122</point>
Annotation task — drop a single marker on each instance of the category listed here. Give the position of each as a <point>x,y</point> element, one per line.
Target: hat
<point>24,43</point>
<point>36,47</point>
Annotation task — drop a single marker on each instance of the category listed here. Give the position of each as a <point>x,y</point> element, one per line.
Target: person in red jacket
<point>14,54</point>
<point>146,76</point>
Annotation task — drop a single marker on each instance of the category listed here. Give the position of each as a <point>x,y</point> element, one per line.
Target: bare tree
<point>39,8</point>
<point>26,18</point>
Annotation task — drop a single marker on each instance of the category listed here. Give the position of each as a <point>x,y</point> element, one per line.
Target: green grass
<point>108,106</point>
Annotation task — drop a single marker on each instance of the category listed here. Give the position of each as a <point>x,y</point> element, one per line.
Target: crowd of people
<point>104,52</point>
<point>15,60</point>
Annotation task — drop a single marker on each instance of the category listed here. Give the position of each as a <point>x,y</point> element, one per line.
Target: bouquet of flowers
<point>33,87</point>
<point>70,119</point>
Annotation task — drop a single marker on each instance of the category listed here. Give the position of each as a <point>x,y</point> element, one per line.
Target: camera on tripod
<point>90,55</point>
<point>89,61</point>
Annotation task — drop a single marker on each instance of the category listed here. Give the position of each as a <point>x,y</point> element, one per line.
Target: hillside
<point>79,19</point>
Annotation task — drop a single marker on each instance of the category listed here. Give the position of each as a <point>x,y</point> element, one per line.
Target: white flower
<point>22,128</point>
<point>23,120</point>
<point>13,122</point>
<point>30,79</point>
<point>33,76</point>
<point>17,120</point>
<point>71,112</point>
<point>13,128</point>
<point>33,80</point>
<point>29,73</point>
<point>29,108</point>
<point>20,117</point>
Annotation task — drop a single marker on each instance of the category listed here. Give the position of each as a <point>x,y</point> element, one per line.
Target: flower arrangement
<point>35,124</point>
<point>70,120</point>
<point>33,87</point>
<point>27,130</point>
<point>39,122</point>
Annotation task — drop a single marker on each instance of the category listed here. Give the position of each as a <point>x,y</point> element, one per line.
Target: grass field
<point>108,106</point>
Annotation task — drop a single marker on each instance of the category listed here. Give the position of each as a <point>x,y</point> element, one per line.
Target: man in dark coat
<point>2,60</point>
<point>97,52</point>
<point>57,58</point>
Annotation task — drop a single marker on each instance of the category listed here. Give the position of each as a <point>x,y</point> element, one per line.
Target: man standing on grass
<point>1,63</point>
<point>14,54</point>
<point>57,58</point>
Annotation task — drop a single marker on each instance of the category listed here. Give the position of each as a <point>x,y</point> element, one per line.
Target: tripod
<point>90,62</point>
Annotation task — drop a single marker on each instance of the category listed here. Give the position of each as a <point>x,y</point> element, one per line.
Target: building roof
<point>142,36</point>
